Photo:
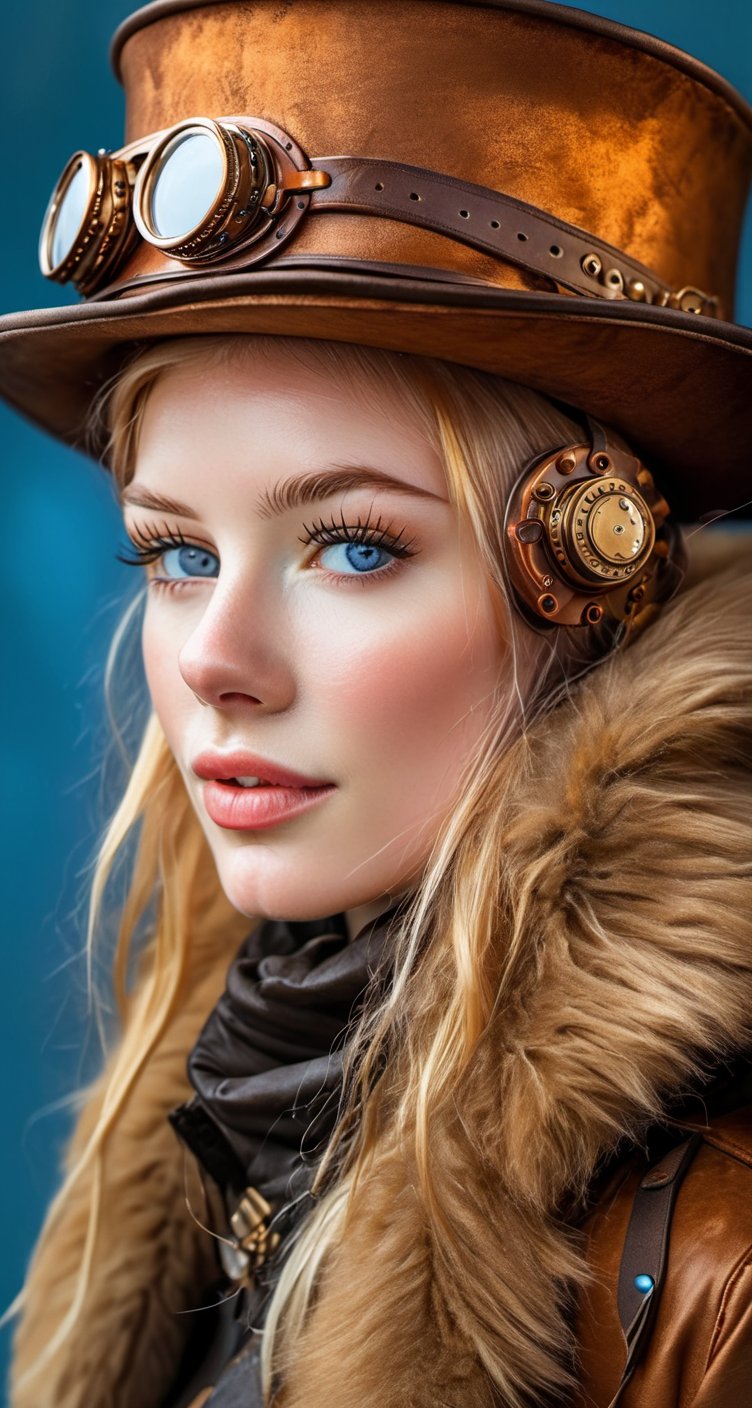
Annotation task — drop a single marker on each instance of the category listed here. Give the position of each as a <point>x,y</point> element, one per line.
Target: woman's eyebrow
<point>290,493</point>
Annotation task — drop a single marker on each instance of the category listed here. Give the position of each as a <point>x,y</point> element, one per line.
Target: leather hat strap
<point>500,225</point>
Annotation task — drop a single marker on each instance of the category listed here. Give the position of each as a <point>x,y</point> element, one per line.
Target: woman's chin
<point>285,891</point>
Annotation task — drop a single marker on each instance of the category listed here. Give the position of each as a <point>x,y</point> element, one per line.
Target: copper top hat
<point>515,185</point>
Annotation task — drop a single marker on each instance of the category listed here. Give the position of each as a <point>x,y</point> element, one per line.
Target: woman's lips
<point>256,808</point>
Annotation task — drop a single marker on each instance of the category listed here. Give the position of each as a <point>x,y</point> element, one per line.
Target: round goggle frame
<point>102,204</point>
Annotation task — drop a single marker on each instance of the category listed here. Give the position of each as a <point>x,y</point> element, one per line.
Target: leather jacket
<point>263,1074</point>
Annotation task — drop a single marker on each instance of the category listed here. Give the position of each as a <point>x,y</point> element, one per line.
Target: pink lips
<point>223,765</point>
<point>255,808</point>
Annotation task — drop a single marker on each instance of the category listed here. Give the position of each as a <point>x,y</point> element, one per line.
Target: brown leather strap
<point>645,1250</point>
<point>498,224</point>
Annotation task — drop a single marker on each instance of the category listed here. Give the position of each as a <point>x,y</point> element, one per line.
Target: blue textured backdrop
<point>63,590</point>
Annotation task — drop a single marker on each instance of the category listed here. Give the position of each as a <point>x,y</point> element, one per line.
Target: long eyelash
<point>376,535</point>
<point>149,545</point>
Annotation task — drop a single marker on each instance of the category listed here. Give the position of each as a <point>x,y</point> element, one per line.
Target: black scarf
<point>267,1072</point>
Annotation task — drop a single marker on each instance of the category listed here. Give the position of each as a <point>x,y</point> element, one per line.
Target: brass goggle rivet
<point>615,280</point>
<point>548,605</point>
<point>566,463</point>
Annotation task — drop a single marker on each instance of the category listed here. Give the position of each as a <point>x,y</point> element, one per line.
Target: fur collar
<point>630,833</point>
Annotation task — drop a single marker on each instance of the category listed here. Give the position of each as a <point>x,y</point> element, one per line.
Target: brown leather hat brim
<point>677,385</point>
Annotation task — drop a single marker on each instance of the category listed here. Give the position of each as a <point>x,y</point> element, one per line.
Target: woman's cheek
<point>160,648</point>
<point>410,674</point>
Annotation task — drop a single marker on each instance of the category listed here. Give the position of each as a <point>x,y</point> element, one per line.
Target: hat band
<point>228,192</point>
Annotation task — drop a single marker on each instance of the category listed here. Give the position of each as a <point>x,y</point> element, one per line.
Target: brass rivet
<point>548,581</point>
<point>637,290</point>
<point>566,463</point>
<point>615,280</point>
<point>600,463</point>
<point>544,491</point>
<point>529,530</point>
<point>591,264</point>
<point>593,613</point>
<point>548,604</point>
<point>691,301</point>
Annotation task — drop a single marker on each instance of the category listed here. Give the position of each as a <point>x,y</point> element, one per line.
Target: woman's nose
<point>240,648</point>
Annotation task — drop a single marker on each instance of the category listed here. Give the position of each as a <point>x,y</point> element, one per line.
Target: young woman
<point>440,824</point>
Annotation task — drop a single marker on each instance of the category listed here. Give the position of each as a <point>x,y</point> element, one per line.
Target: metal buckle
<point>691,300</point>
<point>254,1241</point>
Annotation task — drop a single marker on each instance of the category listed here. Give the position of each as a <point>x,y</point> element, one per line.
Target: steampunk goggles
<point>589,540</point>
<point>229,191</point>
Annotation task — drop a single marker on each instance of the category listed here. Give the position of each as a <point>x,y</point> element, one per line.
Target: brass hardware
<point>606,532</point>
<point>637,290</point>
<point>691,300</point>
<point>529,531</point>
<point>599,463</point>
<point>254,1242</point>
<point>614,280</point>
<point>244,189</point>
<point>102,204</point>
<point>591,264</point>
<point>593,614</point>
<point>566,463</point>
<point>594,543</point>
<point>250,1223</point>
<point>88,228</point>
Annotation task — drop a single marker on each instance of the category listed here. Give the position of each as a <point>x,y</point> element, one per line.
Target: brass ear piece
<point>589,538</point>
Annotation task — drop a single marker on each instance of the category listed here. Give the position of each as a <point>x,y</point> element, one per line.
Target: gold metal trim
<point>586,535</point>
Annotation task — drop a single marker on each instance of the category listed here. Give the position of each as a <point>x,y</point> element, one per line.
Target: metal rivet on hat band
<point>249,168</point>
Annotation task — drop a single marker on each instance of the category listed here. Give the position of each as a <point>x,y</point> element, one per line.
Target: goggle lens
<point>199,191</point>
<point>70,214</point>
<point>187,184</point>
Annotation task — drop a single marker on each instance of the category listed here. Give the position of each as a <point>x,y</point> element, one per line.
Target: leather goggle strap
<point>497,224</point>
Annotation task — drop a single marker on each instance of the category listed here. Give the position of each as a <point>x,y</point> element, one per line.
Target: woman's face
<point>319,617</point>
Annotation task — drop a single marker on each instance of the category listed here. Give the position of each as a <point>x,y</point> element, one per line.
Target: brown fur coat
<point>636,822</point>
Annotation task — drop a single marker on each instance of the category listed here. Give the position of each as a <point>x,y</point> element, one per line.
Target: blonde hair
<point>485,429</point>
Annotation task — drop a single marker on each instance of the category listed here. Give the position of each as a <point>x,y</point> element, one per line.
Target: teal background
<point>63,591</point>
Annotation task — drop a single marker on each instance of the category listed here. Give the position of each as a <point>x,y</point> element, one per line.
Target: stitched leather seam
<point>740,1152</point>
<point>729,1289</point>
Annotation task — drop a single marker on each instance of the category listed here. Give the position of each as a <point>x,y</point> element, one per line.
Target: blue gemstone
<point>644,1283</point>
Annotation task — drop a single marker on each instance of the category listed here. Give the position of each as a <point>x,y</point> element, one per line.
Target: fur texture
<point>151,1260</point>
<point>630,895</point>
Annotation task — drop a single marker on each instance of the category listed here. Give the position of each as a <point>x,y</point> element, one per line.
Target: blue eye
<point>361,557</point>
<point>190,562</point>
